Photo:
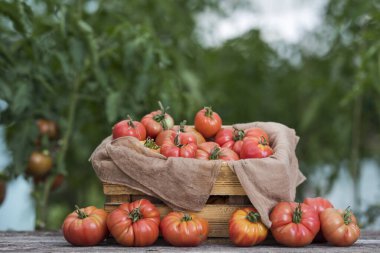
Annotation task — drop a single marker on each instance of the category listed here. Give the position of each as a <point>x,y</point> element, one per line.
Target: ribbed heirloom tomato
<point>85,226</point>
<point>246,228</point>
<point>319,204</point>
<point>294,224</point>
<point>207,122</point>
<point>184,230</point>
<point>157,121</point>
<point>255,148</point>
<point>212,151</point>
<point>183,129</point>
<point>129,128</point>
<point>179,145</point>
<point>339,227</point>
<point>135,224</point>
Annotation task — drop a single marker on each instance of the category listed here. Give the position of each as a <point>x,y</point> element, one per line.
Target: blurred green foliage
<point>87,64</point>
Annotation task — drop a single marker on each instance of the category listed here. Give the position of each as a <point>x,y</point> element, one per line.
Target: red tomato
<point>179,145</point>
<point>183,129</point>
<point>319,204</point>
<point>245,227</point>
<point>135,224</point>
<point>40,164</point>
<point>255,148</point>
<point>294,224</point>
<point>339,227</point>
<point>184,230</point>
<point>129,128</point>
<point>207,122</point>
<point>85,226</point>
<point>48,127</point>
<point>157,121</point>
<point>212,151</point>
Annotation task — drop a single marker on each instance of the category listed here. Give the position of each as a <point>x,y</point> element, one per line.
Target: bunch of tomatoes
<point>207,140</point>
<point>138,224</point>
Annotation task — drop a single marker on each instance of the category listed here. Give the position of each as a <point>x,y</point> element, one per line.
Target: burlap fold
<point>185,184</point>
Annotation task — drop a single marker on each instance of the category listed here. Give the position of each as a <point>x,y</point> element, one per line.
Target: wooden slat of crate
<point>227,183</point>
<point>217,216</point>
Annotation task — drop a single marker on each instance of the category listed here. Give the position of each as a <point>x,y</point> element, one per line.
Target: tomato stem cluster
<point>135,215</point>
<point>130,122</point>
<point>253,217</point>
<point>161,117</point>
<point>347,216</point>
<point>149,143</point>
<point>297,215</point>
<point>208,112</point>
<point>238,134</point>
<point>215,153</point>
<point>186,217</point>
<point>81,214</point>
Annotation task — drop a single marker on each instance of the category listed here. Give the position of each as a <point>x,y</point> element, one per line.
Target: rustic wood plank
<point>54,242</point>
<point>227,183</point>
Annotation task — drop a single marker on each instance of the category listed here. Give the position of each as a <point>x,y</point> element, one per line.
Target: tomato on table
<point>294,224</point>
<point>212,151</point>
<point>85,226</point>
<point>157,121</point>
<point>246,228</point>
<point>184,230</point>
<point>339,227</point>
<point>129,127</point>
<point>135,224</point>
<point>207,122</point>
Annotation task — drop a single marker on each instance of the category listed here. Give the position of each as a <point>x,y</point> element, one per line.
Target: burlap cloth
<point>185,184</point>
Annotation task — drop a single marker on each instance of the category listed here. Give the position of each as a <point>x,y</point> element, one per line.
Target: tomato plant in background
<point>179,145</point>
<point>129,127</point>
<point>184,230</point>
<point>212,151</point>
<point>135,224</point>
<point>294,224</point>
<point>157,121</point>
<point>85,226</point>
<point>246,228</point>
<point>207,122</point>
<point>339,227</point>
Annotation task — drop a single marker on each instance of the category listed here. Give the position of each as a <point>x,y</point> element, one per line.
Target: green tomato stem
<point>215,153</point>
<point>347,216</point>
<point>81,214</point>
<point>135,215</point>
<point>208,112</point>
<point>186,217</point>
<point>253,217</point>
<point>297,215</point>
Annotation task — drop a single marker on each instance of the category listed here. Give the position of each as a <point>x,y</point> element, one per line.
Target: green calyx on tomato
<point>81,214</point>
<point>130,122</point>
<point>215,153</point>
<point>135,215</point>
<point>238,134</point>
<point>186,217</point>
<point>149,143</point>
<point>297,215</point>
<point>347,216</point>
<point>263,141</point>
<point>253,217</point>
<point>208,112</point>
<point>160,118</point>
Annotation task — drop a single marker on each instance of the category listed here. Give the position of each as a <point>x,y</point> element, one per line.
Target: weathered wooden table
<point>54,242</point>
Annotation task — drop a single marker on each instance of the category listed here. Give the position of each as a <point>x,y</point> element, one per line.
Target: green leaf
<point>113,104</point>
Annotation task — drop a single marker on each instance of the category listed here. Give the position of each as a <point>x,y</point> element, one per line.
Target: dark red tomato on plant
<point>207,122</point>
<point>319,204</point>
<point>58,180</point>
<point>157,121</point>
<point>246,228</point>
<point>48,127</point>
<point>339,227</point>
<point>179,145</point>
<point>255,148</point>
<point>184,230</point>
<point>294,224</point>
<point>129,127</point>
<point>212,151</point>
<point>135,224</point>
<point>183,129</point>
<point>85,226</point>
<point>40,164</point>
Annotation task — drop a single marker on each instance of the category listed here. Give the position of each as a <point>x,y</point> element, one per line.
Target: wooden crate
<point>226,196</point>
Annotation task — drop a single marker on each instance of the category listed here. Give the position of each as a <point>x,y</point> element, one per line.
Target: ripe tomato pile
<point>207,140</point>
<point>138,224</point>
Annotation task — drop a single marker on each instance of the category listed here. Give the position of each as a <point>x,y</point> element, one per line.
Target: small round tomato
<point>40,163</point>
<point>58,180</point>
<point>294,224</point>
<point>135,224</point>
<point>157,121</point>
<point>129,128</point>
<point>48,127</point>
<point>212,151</point>
<point>149,143</point>
<point>246,228</point>
<point>255,148</point>
<point>207,122</point>
<point>184,230</point>
<point>85,226</point>
<point>179,145</point>
<point>339,227</point>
